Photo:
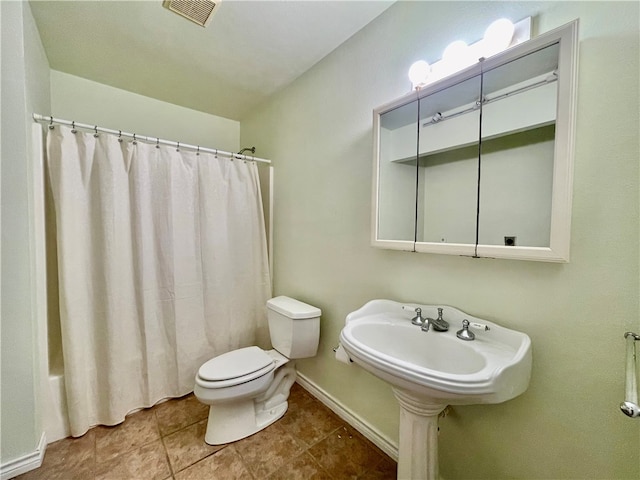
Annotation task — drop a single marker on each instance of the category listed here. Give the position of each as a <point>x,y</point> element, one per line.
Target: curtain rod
<point>42,118</point>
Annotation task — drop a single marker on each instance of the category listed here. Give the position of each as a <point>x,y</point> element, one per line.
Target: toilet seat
<point>235,367</point>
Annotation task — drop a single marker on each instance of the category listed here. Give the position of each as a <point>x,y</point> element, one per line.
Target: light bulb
<point>498,36</point>
<point>418,73</point>
<point>457,56</point>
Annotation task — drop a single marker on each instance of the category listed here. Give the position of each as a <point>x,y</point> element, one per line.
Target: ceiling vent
<point>198,11</point>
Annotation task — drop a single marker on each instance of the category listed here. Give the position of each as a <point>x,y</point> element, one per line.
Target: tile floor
<point>167,442</point>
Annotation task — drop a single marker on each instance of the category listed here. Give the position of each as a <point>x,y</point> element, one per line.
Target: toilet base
<point>229,422</point>
<point>233,420</point>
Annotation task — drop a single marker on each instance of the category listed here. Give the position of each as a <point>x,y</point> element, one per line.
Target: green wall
<point>25,88</point>
<point>86,101</point>
<point>318,132</point>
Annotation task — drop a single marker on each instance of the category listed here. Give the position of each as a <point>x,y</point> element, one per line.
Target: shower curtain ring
<point>95,128</point>
<point>198,151</point>
<point>120,136</point>
<point>135,141</point>
<point>178,146</point>
<point>51,127</point>
<point>157,142</point>
<point>73,126</point>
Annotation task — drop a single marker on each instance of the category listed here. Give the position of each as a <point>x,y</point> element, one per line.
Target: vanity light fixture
<point>418,74</point>
<point>498,36</point>
<point>457,56</point>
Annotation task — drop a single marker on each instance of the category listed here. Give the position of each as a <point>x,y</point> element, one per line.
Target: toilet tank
<point>294,327</point>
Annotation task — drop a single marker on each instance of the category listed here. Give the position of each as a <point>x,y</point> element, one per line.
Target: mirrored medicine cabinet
<point>480,163</point>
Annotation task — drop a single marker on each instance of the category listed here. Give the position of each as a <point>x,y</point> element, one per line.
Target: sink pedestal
<point>418,449</point>
<point>429,371</point>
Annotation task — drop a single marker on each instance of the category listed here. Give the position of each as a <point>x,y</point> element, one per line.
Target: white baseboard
<point>26,463</point>
<point>380,440</point>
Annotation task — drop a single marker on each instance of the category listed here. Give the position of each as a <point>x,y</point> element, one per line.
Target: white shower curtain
<point>162,265</point>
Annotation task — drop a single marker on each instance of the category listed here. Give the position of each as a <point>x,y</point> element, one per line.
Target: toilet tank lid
<point>293,308</point>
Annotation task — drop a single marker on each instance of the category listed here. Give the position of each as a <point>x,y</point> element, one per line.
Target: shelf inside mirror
<point>535,134</point>
<point>518,108</point>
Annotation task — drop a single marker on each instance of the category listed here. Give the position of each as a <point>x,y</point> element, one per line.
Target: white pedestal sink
<point>430,370</point>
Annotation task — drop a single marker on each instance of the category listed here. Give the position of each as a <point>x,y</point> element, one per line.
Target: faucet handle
<point>465,334</point>
<point>418,319</point>
<point>440,324</point>
<point>479,326</point>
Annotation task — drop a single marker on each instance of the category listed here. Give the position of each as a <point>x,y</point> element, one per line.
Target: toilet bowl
<point>247,389</point>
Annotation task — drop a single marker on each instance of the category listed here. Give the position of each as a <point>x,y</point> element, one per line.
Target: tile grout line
<point>322,469</point>
<point>306,400</point>
<point>306,450</point>
<point>242,459</point>
<point>367,444</point>
<point>163,436</point>
<point>245,464</point>
<point>164,446</point>
<point>344,424</point>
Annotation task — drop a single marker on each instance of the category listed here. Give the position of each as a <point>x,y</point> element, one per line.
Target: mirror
<point>518,136</point>
<point>448,173</point>
<point>455,174</point>
<point>397,187</point>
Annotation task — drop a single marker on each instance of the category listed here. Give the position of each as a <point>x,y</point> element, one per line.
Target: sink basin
<point>430,370</point>
<point>493,368</point>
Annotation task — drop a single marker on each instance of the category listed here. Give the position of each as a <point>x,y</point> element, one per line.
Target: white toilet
<point>248,388</point>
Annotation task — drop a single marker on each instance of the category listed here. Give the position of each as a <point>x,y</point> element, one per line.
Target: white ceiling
<point>250,50</point>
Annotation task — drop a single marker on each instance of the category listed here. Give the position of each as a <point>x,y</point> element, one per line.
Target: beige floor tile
<point>67,459</point>
<point>345,454</point>
<point>387,469</point>
<point>138,429</point>
<point>299,397</point>
<point>178,413</point>
<point>309,442</point>
<point>310,422</point>
<point>145,463</point>
<point>303,467</point>
<point>187,446</point>
<point>225,464</point>
<point>267,450</point>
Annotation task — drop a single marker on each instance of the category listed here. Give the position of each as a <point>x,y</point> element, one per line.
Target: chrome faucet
<point>465,333</point>
<point>468,335</point>
<point>427,323</point>
<point>419,319</point>
<point>439,324</point>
